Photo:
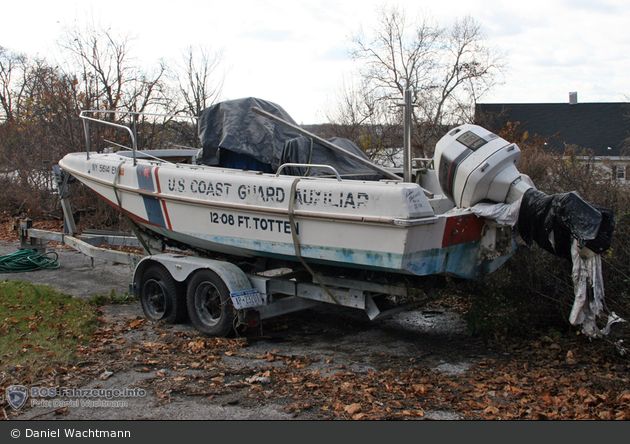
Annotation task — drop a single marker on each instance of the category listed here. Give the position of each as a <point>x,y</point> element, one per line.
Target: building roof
<point>601,127</point>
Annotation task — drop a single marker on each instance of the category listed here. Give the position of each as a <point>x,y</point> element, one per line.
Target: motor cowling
<point>474,165</point>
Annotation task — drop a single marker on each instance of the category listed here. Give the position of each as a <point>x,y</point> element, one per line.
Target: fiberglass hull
<point>383,226</point>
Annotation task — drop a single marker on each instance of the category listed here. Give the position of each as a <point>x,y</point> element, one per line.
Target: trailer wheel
<point>210,307</point>
<point>159,296</point>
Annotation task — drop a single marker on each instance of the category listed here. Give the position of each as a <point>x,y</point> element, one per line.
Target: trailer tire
<point>161,297</point>
<point>210,307</point>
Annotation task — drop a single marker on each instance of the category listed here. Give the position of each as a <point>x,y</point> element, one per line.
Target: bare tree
<point>13,69</point>
<point>351,109</point>
<point>148,92</point>
<point>198,83</point>
<point>111,81</point>
<point>397,55</point>
<point>102,58</point>
<point>447,69</point>
<point>370,123</point>
<point>471,69</point>
<point>42,125</point>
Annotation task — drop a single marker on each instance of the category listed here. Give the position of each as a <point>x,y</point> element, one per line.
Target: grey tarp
<point>304,150</point>
<point>233,135</point>
<point>233,125</point>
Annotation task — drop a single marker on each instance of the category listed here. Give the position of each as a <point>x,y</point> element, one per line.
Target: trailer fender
<point>181,267</point>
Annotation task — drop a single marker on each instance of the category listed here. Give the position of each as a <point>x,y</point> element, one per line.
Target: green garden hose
<point>28,260</point>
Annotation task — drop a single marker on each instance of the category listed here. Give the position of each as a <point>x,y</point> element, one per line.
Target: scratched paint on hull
<point>460,260</point>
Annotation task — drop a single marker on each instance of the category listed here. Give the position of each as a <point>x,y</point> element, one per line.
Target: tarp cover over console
<point>233,135</point>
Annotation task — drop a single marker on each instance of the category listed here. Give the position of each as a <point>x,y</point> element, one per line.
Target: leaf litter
<point>571,379</point>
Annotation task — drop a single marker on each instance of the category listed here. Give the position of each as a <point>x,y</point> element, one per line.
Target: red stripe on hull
<point>462,229</point>
<point>159,189</point>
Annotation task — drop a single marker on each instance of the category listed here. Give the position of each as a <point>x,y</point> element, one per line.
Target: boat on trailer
<point>262,190</point>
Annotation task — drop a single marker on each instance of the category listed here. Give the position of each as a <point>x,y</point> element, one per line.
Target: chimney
<point>573,98</point>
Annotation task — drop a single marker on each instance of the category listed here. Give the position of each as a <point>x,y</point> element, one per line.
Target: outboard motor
<point>475,165</point>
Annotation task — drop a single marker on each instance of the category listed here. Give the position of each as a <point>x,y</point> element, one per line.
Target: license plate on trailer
<point>246,299</point>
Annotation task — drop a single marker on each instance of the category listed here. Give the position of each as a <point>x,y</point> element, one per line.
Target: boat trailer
<point>219,295</point>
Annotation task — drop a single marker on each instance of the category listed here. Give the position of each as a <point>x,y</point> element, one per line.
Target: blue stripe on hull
<point>144,173</point>
<point>458,260</point>
<point>154,211</point>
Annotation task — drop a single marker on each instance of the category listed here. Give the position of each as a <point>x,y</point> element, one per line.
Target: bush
<point>533,291</point>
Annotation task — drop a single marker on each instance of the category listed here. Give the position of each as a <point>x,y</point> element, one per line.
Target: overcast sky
<point>295,53</point>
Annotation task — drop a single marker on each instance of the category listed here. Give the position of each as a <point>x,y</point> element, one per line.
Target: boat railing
<point>308,165</point>
<point>424,163</point>
<point>86,119</point>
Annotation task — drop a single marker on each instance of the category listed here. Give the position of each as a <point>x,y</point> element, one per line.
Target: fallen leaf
<point>347,387</point>
<point>352,409</point>
<point>196,345</point>
<point>419,388</point>
<point>338,406</point>
<point>491,410</point>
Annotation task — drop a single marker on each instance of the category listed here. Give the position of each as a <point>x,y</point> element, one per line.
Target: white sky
<point>294,52</point>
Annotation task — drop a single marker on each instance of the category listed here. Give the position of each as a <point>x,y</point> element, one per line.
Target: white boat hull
<point>383,226</point>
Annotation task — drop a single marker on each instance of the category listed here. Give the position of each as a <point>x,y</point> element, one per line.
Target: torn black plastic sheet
<point>555,222</point>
